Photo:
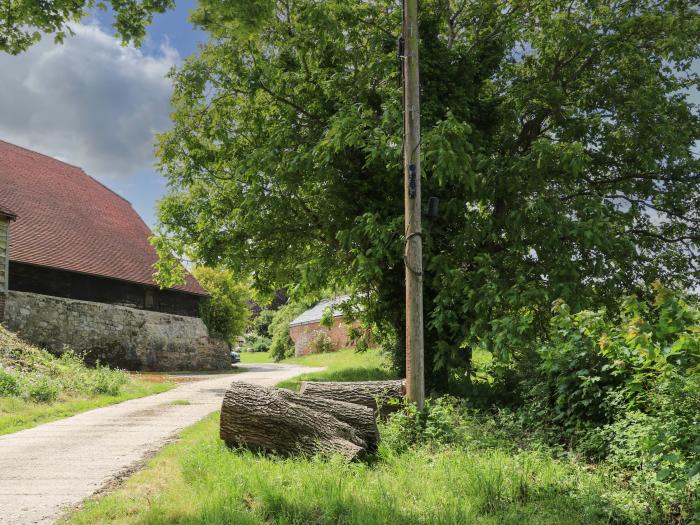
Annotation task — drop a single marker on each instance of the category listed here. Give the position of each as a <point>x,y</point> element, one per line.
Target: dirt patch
<point>164,377</point>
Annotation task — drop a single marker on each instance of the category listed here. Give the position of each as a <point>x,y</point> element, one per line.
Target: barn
<point>307,327</point>
<point>77,271</point>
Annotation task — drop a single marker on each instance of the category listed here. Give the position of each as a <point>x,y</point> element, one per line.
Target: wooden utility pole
<point>413,250</point>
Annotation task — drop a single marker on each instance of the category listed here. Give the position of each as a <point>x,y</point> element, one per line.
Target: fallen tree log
<point>360,417</point>
<point>279,421</point>
<point>366,393</point>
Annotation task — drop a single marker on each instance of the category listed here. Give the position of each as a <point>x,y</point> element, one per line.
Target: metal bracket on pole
<point>412,183</point>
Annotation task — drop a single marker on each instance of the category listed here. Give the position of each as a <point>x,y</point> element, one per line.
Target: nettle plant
<point>630,386</point>
<point>589,354</point>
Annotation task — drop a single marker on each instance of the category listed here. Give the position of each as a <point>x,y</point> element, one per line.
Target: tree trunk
<point>360,417</point>
<point>279,421</point>
<point>366,393</point>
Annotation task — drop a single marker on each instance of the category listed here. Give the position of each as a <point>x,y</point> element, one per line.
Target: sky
<point>93,103</point>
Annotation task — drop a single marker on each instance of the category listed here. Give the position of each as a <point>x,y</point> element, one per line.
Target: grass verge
<point>198,480</point>
<point>18,414</point>
<point>37,387</point>
<point>344,365</point>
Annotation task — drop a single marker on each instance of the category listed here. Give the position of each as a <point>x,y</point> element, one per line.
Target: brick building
<point>305,328</point>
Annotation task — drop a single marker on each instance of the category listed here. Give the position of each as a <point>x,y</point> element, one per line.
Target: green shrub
<point>42,389</point>
<point>442,421</point>
<point>261,324</point>
<point>282,345</point>
<point>10,385</point>
<point>108,382</point>
<point>320,343</point>
<point>256,343</point>
<point>626,388</point>
<point>226,310</point>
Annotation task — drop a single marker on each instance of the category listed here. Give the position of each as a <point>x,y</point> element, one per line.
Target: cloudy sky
<point>96,104</point>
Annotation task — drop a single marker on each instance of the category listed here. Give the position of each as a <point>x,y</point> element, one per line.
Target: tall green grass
<point>200,481</point>
<point>37,387</point>
<point>344,365</point>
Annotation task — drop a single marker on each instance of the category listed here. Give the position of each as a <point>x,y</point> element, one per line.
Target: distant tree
<point>558,136</point>
<point>261,323</point>
<point>226,311</point>
<point>282,345</point>
<point>22,22</point>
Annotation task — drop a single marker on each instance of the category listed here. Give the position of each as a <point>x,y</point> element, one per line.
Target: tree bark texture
<point>283,422</point>
<point>360,417</point>
<point>366,393</point>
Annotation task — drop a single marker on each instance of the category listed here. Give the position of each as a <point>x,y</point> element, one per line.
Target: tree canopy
<point>22,22</point>
<point>558,136</point>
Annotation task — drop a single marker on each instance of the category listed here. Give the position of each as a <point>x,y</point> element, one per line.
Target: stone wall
<point>303,334</point>
<point>117,335</point>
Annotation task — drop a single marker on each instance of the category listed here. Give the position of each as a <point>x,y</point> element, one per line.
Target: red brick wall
<point>302,334</point>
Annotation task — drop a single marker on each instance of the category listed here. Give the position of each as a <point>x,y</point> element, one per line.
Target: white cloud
<point>90,102</point>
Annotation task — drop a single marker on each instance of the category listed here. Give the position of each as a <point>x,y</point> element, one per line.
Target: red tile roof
<point>6,212</point>
<point>68,220</point>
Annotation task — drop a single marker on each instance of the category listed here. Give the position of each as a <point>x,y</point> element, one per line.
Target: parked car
<point>235,357</point>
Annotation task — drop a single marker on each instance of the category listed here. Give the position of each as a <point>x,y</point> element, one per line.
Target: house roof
<point>6,212</point>
<point>67,220</point>
<point>315,313</point>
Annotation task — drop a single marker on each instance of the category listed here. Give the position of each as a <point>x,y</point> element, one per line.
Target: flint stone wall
<point>116,335</point>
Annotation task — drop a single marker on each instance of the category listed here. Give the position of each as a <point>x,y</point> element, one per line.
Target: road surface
<point>46,469</point>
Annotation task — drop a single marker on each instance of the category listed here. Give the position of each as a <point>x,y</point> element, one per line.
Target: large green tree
<point>22,22</point>
<point>558,136</point>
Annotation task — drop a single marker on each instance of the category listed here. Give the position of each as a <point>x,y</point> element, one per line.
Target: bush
<point>626,388</point>
<point>108,382</point>
<point>261,324</point>
<point>320,343</point>
<point>226,311</point>
<point>9,384</point>
<point>256,343</point>
<point>43,390</point>
<point>442,421</point>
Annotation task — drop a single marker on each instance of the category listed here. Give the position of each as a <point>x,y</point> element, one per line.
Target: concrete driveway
<point>57,465</point>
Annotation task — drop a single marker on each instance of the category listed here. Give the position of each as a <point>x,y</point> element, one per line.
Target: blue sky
<point>96,104</point>
<point>146,186</point>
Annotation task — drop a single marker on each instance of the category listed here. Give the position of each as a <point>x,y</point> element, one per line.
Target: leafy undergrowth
<point>344,365</point>
<point>480,478</point>
<point>37,387</point>
<point>446,465</point>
